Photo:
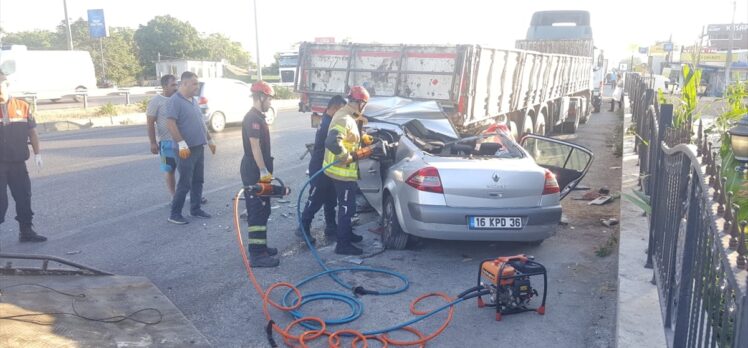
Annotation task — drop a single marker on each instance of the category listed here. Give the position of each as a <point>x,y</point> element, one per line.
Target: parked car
<point>226,101</point>
<point>431,183</point>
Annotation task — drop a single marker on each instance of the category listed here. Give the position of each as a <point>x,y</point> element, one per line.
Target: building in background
<point>203,69</point>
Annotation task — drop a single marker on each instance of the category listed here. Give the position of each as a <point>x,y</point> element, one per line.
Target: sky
<point>618,26</point>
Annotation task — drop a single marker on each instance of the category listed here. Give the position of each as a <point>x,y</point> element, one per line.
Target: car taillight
<point>203,101</point>
<point>551,185</point>
<point>426,179</point>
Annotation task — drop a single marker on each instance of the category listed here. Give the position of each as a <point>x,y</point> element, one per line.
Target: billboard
<point>96,25</point>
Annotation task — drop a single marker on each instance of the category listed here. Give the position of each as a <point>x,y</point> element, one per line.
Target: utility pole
<point>67,23</point>
<point>257,42</point>
<point>728,63</point>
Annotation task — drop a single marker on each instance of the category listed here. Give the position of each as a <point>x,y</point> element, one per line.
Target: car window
<point>548,153</point>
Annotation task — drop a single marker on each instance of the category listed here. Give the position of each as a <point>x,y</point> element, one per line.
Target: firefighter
<point>17,130</point>
<point>322,191</point>
<point>257,166</point>
<point>343,144</point>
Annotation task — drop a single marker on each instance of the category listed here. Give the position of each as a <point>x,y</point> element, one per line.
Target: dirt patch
<point>604,136</point>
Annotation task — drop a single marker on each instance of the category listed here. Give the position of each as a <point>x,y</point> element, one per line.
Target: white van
<point>49,74</point>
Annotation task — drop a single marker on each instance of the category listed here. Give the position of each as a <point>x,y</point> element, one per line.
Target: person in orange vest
<point>18,127</point>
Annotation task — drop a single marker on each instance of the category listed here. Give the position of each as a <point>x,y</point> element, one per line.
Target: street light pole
<point>728,62</point>
<point>67,23</point>
<point>257,43</point>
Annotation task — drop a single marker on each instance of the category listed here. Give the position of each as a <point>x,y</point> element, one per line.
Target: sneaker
<point>201,214</point>
<point>356,238</point>
<point>271,251</point>
<point>178,220</point>
<point>263,259</point>
<point>347,249</point>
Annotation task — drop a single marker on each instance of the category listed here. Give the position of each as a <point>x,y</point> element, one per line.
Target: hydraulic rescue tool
<point>269,189</point>
<point>507,280</point>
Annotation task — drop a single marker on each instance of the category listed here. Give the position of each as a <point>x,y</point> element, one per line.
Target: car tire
<point>270,115</point>
<point>392,234</point>
<point>217,122</point>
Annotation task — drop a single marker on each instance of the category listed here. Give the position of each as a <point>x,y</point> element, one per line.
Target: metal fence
<point>697,247</point>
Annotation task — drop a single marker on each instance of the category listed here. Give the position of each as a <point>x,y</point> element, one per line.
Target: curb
<point>126,120</point>
<point>639,318</point>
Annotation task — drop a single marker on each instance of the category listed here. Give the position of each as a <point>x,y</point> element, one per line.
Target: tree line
<point>130,54</point>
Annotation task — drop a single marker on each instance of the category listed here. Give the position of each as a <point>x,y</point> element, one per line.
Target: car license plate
<point>493,222</point>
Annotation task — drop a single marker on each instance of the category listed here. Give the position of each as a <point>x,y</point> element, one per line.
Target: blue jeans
<point>191,177</point>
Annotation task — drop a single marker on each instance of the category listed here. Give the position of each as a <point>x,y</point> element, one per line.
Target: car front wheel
<point>393,235</point>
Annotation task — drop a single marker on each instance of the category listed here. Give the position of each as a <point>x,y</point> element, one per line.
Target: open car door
<point>569,162</point>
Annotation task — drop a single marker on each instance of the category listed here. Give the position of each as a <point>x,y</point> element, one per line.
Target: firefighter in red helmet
<point>342,145</point>
<point>257,166</point>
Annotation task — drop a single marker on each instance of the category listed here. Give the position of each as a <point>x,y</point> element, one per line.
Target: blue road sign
<point>96,25</point>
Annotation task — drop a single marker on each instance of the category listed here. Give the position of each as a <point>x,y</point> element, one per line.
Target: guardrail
<point>697,248</point>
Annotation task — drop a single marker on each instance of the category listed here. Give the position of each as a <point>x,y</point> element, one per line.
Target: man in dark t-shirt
<point>257,166</point>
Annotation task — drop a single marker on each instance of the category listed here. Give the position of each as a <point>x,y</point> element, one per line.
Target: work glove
<point>184,150</point>
<point>154,148</point>
<point>265,176</point>
<point>212,146</point>
<point>367,139</point>
<point>38,160</point>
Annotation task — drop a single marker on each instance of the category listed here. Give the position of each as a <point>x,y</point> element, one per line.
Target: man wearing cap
<point>17,129</point>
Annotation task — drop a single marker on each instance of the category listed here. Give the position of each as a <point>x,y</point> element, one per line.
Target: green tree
<point>172,38</point>
<point>34,40</point>
<point>217,46</point>
<point>120,63</point>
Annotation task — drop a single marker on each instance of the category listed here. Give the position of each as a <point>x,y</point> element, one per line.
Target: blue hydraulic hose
<point>354,304</point>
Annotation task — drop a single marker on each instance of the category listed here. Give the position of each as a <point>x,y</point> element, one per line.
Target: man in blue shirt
<point>322,190</point>
<point>187,128</point>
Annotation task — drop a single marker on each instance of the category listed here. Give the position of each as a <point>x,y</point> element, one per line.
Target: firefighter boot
<point>27,234</point>
<point>263,259</point>
<point>342,248</point>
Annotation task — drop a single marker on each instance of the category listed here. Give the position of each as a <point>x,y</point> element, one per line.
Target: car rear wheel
<point>270,115</point>
<point>79,89</point>
<point>393,235</point>
<point>217,122</point>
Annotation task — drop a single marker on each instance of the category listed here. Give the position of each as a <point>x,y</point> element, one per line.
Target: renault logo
<point>496,177</point>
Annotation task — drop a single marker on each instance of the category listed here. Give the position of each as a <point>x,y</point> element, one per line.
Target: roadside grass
<point>608,247</point>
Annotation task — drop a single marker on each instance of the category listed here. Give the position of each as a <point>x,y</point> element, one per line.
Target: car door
<point>569,162</point>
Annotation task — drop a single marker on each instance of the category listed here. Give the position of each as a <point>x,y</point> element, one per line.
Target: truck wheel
<point>513,129</point>
<point>571,127</point>
<point>217,122</point>
<point>540,127</point>
<point>393,235</point>
<point>527,127</point>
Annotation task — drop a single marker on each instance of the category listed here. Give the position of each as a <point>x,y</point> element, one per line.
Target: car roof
<point>402,110</point>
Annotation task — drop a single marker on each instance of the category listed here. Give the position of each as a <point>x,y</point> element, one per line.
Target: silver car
<point>431,183</point>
